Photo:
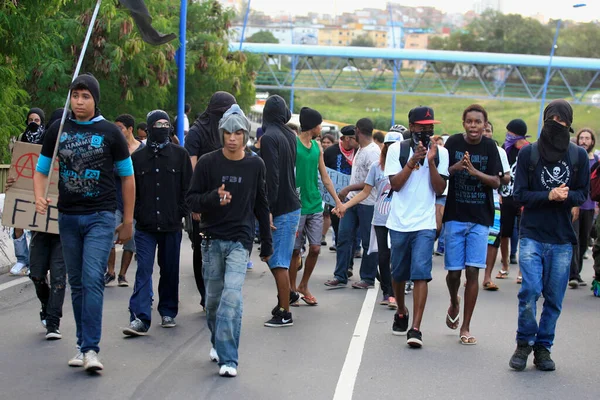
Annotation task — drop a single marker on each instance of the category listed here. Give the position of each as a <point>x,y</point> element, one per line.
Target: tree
<point>36,65</point>
<point>262,37</point>
<point>363,41</point>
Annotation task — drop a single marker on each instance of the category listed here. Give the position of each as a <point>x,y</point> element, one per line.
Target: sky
<point>549,8</point>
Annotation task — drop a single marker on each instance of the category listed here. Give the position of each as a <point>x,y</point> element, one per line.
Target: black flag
<point>143,20</point>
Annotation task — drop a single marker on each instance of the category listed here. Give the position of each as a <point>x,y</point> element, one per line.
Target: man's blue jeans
<point>545,270</point>
<point>21,248</point>
<point>224,269</point>
<point>359,216</point>
<point>169,246</point>
<point>86,242</point>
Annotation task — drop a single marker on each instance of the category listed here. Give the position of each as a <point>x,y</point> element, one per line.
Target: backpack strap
<point>574,159</point>
<point>534,158</point>
<point>404,152</point>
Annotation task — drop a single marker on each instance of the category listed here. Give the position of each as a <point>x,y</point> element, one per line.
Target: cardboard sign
<point>339,180</point>
<point>19,203</point>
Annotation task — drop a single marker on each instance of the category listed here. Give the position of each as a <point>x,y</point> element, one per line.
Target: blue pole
<point>181,72</point>
<point>395,81</point>
<point>294,61</point>
<point>245,23</point>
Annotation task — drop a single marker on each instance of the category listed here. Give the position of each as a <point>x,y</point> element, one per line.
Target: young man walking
<point>278,151</point>
<point>552,177</point>
<point>228,190</point>
<point>89,149</point>
<point>309,164</point>
<point>162,177</point>
<point>475,171</point>
<point>359,216</point>
<point>126,124</point>
<point>418,170</point>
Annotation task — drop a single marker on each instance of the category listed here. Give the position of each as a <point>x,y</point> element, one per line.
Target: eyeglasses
<point>162,125</point>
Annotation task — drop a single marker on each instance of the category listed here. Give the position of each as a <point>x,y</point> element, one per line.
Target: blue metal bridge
<point>512,77</point>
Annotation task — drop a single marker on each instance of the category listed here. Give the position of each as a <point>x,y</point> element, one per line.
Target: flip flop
<point>519,280</point>
<point>310,300</point>
<point>491,286</point>
<point>467,340</point>
<point>453,323</point>
<point>502,274</point>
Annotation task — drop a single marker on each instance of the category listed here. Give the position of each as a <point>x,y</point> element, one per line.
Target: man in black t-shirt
<point>89,149</point>
<point>475,171</point>
<point>228,189</point>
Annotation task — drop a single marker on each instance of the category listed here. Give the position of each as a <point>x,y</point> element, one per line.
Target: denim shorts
<point>129,245</point>
<point>465,245</point>
<point>411,257</point>
<point>283,239</point>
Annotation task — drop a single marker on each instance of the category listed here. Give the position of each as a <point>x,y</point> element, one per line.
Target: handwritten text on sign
<point>339,180</point>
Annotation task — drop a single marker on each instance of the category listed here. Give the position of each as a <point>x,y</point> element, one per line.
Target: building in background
<point>483,5</point>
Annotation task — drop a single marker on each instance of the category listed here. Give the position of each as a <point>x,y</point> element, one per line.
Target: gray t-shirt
<point>381,186</point>
<point>365,156</point>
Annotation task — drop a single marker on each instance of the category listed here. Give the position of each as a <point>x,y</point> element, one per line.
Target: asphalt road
<point>325,355</point>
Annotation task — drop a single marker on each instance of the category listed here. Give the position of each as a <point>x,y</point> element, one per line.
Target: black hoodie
<point>278,150</point>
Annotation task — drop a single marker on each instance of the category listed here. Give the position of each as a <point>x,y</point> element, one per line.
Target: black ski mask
<point>158,138</point>
<point>555,138</point>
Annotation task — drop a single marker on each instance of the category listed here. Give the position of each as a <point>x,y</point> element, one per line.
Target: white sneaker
<point>91,362</point>
<point>76,361</point>
<point>214,357</point>
<point>228,371</point>
<point>19,269</point>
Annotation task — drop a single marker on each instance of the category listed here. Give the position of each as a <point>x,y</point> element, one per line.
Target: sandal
<point>491,286</point>
<point>453,323</point>
<point>502,274</point>
<point>310,300</point>
<point>467,340</point>
<point>519,280</point>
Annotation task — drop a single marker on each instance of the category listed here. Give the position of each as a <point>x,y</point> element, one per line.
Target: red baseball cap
<point>422,115</point>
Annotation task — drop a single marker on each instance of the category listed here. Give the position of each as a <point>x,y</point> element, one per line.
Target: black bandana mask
<point>158,138</point>
<point>554,141</point>
<point>424,137</point>
<point>34,133</point>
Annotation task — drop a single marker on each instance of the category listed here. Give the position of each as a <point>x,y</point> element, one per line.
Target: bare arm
<point>194,160</point>
<point>437,182</point>
<point>40,181</point>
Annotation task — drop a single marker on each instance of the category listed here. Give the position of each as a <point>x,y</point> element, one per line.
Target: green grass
<point>349,107</point>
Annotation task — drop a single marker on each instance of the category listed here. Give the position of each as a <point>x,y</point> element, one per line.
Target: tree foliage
<point>262,37</point>
<point>40,41</point>
<point>363,41</point>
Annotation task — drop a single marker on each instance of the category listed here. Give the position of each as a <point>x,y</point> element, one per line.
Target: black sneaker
<point>415,338</point>
<point>52,333</point>
<point>350,273</point>
<point>122,281</point>
<point>581,282</point>
<point>513,259</point>
<point>542,359</point>
<point>108,278</point>
<point>400,325</point>
<point>136,328</point>
<point>294,299</point>
<point>518,361</point>
<point>43,316</point>
<point>168,322</point>
<point>280,319</point>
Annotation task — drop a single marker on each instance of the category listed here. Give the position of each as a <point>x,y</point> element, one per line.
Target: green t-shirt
<point>307,181</point>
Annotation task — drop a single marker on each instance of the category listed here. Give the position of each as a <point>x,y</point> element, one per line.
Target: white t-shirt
<point>505,169</point>
<point>364,158</point>
<point>186,123</point>
<point>413,206</point>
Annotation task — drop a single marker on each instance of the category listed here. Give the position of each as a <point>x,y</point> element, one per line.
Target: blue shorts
<point>129,245</point>
<point>465,245</point>
<point>283,239</point>
<point>411,257</point>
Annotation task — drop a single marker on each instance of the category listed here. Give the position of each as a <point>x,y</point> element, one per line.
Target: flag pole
<point>181,71</point>
<point>67,102</point>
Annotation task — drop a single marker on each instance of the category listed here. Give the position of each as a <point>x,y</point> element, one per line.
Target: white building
<point>285,33</point>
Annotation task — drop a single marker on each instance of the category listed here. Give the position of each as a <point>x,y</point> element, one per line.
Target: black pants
<point>197,247</point>
<point>45,254</point>
<point>583,228</point>
<point>385,275</point>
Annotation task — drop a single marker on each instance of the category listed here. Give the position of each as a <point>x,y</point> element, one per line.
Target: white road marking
<point>347,379</point>
<point>14,282</point>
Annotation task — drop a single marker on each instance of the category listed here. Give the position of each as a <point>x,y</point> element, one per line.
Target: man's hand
<point>41,205</point>
<point>224,196</point>
<point>124,232</point>
<point>339,210</point>
<point>196,216</point>
<point>265,259</point>
<point>273,227</point>
<point>433,150</point>
<point>9,182</point>
<point>575,213</point>
<point>419,154</point>
<point>343,194</point>
<point>559,193</point>
<point>467,166</point>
